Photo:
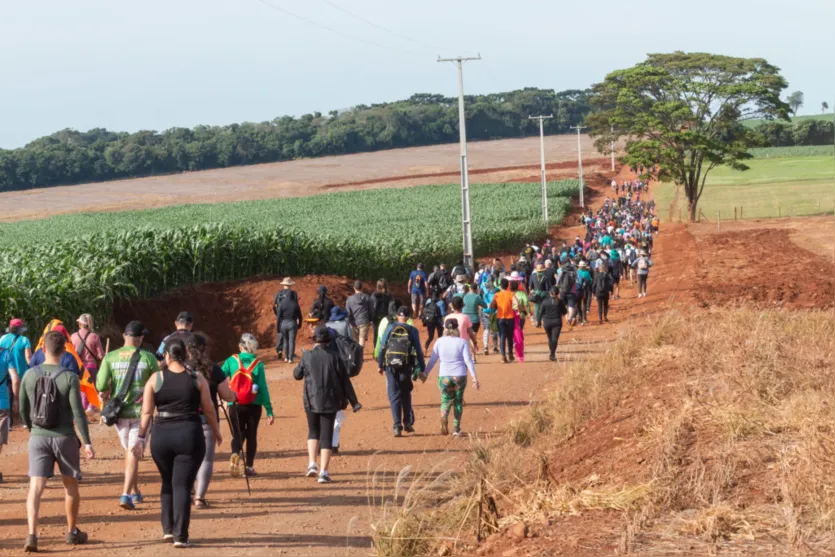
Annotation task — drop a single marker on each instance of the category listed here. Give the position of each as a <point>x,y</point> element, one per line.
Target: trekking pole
<point>236,434</point>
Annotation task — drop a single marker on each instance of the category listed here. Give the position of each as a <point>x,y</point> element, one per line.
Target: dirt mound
<point>762,267</point>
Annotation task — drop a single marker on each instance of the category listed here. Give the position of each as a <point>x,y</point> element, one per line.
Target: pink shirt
<point>465,326</point>
<point>94,349</point>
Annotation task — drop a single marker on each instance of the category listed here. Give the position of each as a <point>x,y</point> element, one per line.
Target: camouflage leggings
<point>452,396</point>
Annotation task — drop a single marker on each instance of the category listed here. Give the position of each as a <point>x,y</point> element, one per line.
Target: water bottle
<point>255,388</point>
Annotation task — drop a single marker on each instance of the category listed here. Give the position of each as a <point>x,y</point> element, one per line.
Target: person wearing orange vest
<point>247,377</point>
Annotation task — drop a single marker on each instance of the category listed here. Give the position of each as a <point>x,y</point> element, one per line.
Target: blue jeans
<point>399,388</point>
<point>287,333</point>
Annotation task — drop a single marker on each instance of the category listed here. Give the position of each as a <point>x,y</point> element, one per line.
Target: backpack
<point>241,382</point>
<point>642,264</point>
<point>381,307</point>
<point>538,295</point>
<point>46,408</point>
<point>351,353</point>
<point>430,311</point>
<point>398,348</point>
<point>111,410</point>
<point>5,361</point>
<point>568,279</point>
<point>444,280</point>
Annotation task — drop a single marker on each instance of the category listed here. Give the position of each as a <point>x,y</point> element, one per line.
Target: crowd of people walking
<point>173,398</point>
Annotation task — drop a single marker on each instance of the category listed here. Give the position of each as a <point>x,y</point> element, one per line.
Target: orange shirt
<point>504,304</point>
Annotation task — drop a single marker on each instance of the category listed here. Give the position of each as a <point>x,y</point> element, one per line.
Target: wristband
<point>141,438</point>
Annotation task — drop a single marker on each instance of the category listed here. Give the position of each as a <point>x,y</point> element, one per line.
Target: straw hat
<point>540,267</point>
<point>583,265</point>
<point>642,253</point>
<point>287,282</point>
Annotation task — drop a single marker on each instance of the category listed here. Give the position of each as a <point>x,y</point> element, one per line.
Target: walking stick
<point>236,434</point>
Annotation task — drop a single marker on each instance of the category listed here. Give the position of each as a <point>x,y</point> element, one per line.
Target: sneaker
<point>250,471</point>
<point>200,504</point>
<point>398,432</point>
<point>31,545</point>
<point>182,545</point>
<point>235,465</point>
<point>496,350</point>
<point>137,498</point>
<point>324,477</point>
<point>504,360</point>
<point>456,432</point>
<point>409,428</point>
<point>126,503</point>
<point>335,449</point>
<point>312,471</point>
<point>444,427</point>
<point>76,537</point>
<point>168,538</point>
<point>552,358</point>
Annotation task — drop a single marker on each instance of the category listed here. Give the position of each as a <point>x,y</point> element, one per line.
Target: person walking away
<point>460,270</point>
<point>360,311</point>
<point>69,358</point>
<point>417,289</point>
<point>285,292</point>
<point>89,348</point>
<point>453,354</point>
<point>615,268</point>
<point>327,391</point>
<point>178,447</point>
<point>9,390</point>
<point>400,356</point>
<point>488,320</point>
<point>584,289</point>
<point>519,318</point>
<point>567,282</point>
<point>549,315</point>
<point>197,350</point>
<point>16,346</point>
<point>322,305</point>
<point>465,324</point>
<point>630,255</point>
<point>380,301</point>
<point>601,287</point>
<point>474,304</point>
<point>540,284</point>
<point>247,377</point>
<point>505,304</point>
<point>50,408</point>
<point>183,326</point>
<point>338,323</point>
<point>642,265</point>
<point>434,312</point>
<point>395,305</point>
<point>125,371</point>
<point>289,322</point>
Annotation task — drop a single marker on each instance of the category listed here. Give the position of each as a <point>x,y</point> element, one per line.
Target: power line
<point>378,26</point>
<point>332,30</point>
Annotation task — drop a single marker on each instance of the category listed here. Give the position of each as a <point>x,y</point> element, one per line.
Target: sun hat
<point>583,265</point>
<point>287,282</point>
<point>514,276</point>
<point>642,253</point>
<point>540,267</point>
<point>338,314</point>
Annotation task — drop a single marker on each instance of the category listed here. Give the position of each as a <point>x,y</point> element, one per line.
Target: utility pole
<point>613,147</point>
<point>580,162</point>
<point>542,166</point>
<point>466,217</point>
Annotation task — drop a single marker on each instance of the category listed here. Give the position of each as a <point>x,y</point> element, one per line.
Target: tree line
<point>803,132</point>
<point>70,156</point>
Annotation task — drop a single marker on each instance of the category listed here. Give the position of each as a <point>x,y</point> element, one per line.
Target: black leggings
<point>432,327</point>
<point>603,307</point>
<point>553,333</point>
<point>642,284</point>
<point>178,449</point>
<point>246,418</point>
<point>320,427</point>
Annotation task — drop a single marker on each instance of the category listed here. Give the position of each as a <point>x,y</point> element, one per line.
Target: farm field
<point>795,119</point>
<point>780,186</point>
<point>490,161</point>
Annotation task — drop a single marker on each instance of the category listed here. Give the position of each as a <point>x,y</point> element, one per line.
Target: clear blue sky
<point>154,64</point>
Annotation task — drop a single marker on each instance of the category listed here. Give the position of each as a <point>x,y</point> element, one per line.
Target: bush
<point>813,132</point>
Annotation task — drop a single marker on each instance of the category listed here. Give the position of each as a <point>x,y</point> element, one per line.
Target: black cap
<point>135,329</point>
<point>404,311</point>
<point>185,317</point>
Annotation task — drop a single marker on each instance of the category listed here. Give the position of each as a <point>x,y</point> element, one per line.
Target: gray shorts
<point>5,422</point>
<point>417,300</point>
<point>44,452</point>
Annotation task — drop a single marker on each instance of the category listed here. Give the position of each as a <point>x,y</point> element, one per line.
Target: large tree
<point>795,101</point>
<point>680,114</point>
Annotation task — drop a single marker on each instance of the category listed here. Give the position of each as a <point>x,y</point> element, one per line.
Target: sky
<point>155,64</point>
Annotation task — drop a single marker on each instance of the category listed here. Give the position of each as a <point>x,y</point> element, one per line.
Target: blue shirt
<point>418,287</point>
<point>17,357</point>
<point>5,384</point>
<point>68,361</point>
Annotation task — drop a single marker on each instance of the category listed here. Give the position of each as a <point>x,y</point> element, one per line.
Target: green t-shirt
<point>472,302</point>
<point>114,368</point>
<point>70,402</point>
<point>523,303</point>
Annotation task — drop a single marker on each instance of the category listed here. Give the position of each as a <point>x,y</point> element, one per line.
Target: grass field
<point>773,187</point>
<point>796,151</point>
<point>67,265</point>
<point>795,119</point>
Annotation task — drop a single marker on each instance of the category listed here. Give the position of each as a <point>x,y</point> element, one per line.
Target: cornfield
<point>101,257</point>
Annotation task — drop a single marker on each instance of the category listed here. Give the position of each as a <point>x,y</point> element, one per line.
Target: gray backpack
<point>46,408</point>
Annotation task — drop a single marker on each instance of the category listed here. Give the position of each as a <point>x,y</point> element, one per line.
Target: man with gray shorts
<point>56,445</point>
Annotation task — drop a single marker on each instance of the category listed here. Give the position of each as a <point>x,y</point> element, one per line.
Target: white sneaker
<point>324,477</point>
<point>312,470</point>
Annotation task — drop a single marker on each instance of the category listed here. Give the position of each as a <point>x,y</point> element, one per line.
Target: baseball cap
<point>185,317</point>
<point>16,322</point>
<point>61,329</point>
<point>135,329</point>
<point>404,311</point>
<point>83,320</point>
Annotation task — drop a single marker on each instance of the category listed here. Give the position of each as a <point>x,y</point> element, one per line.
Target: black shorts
<point>616,278</point>
<point>476,325</point>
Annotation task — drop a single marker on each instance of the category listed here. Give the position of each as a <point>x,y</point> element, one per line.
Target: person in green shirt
<point>111,375</point>
<point>247,416</point>
<point>473,304</point>
<point>55,445</point>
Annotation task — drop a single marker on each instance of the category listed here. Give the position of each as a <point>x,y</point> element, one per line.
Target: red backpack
<point>241,383</point>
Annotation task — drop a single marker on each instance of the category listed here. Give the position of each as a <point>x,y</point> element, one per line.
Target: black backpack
<point>444,280</point>
<point>351,354</point>
<point>430,311</point>
<point>568,278</point>
<point>398,348</point>
<point>46,408</point>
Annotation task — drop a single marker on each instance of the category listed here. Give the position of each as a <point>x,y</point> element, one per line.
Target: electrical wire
<point>434,48</point>
<point>332,30</point>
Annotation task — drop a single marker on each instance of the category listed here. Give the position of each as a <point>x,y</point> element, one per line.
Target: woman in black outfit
<point>602,287</point>
<point>550,315</point>
<point>178,446</point>
<point>327,390</point>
